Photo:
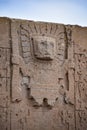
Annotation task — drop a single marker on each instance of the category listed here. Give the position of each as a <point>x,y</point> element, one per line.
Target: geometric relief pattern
<point>5,75</point>
<point>41,51</point>
<point>43,77</point>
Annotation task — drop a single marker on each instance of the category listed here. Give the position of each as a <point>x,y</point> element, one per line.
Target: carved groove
<point>43,76</point>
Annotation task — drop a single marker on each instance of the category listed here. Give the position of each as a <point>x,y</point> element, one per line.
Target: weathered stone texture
<point>43,76</point>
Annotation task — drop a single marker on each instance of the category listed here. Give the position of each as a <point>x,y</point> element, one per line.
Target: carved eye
<point>44,42</point>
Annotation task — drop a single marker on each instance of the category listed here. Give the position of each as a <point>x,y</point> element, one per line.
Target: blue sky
<point>58,11</point>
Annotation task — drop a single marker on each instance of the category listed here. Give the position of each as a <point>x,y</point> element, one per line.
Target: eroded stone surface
<point>44,47</point>
<point>43,76</point>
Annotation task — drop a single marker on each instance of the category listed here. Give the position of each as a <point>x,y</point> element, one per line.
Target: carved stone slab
<point>43,76</point>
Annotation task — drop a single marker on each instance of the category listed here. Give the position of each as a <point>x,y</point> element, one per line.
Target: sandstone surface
<point>43,76</point>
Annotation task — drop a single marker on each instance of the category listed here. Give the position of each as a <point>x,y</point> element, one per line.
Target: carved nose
<point>46,52</point>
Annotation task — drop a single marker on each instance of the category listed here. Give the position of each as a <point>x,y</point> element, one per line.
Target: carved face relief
<point>44,47</point>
